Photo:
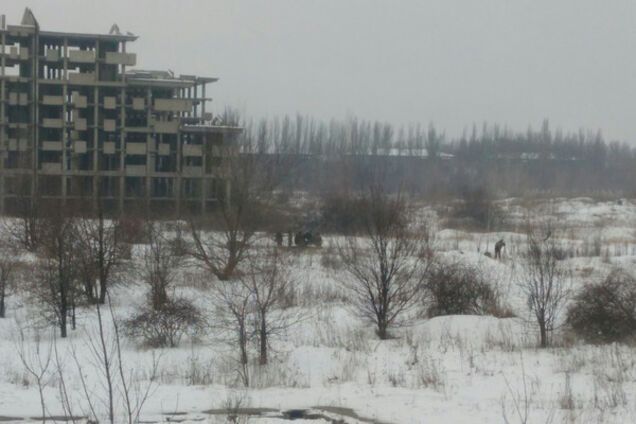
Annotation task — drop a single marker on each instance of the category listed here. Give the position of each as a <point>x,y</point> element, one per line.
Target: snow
<point>452,369</point>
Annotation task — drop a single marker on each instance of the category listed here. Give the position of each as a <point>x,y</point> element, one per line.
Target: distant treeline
<point>345,154</point>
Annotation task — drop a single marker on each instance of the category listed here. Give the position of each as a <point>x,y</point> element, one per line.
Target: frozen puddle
<point>329,414</point>
<point>323,414</point>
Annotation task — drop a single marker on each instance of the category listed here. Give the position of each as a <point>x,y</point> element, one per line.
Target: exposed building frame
<point>77,124</point>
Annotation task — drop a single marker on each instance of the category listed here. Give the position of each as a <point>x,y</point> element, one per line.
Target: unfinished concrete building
<point>77,125</point>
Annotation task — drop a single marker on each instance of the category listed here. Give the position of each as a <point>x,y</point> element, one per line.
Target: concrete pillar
<point>150,152</point>
<point>122,137</point>
<point>3,123</point>
<point>204,101</point>
<point>203,194</point>
<point>96,125</point>
<point>65,140</point>
<point>196,106</point>
<point>35,116</point>
<point>122,151</point>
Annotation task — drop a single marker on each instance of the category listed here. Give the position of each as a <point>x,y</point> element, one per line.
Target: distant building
<point>77,125</point>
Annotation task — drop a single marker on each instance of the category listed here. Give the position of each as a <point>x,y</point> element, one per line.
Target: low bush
<point>459,289</point>
<point>477,209</point>
<point>164,327</point>
<point>342,213</point>
<point>132,229</point>
<point>605,312</point>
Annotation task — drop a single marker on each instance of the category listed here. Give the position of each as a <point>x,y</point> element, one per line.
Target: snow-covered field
<point>451,369</point>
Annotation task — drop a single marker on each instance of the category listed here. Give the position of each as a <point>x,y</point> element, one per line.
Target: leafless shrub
<point>609,392</point>
<point>247,204</point>
<point>522,401</point>
<point>477,207</point>
<point>605,312</point>
<point>430,374</point>
<point>54,284</point>
<point>342,213</point>
<point>121,390</point>
<point>267,278</point>
<point>101,254</point>
<point>310,295</point>
<point>567,400</point>
<point>9,267</point>
<point>37,360</point>
<point>545,281</point>
<point>198,372</point>
<point>329,259</point>
<point>386,266</point>
<point>160,264</point>
<point>26,227</point>
<point>164,327</point>
<point>233,404</point>
<point>133,229</point>
<point>459,289</point>
<point>233,301</point>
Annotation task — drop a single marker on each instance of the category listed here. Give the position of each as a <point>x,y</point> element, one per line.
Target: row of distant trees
<point>304,135</point>
<point>423,160</point>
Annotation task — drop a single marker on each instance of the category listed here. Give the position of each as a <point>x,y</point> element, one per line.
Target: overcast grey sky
<point>450,62</point>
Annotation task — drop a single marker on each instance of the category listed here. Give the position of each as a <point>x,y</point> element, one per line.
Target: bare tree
<point>233,223</point>
<point>37,360</point>
<point>255,306</point>
<point>101,254</point>
<point>120,391</point>
<point>25,227</point>
<point>160,264</point>
<point>387,263</point>
<point>119,380</point>
<point>545,280</point>
<point>233,302</point>
<point>55,284</point>
<point>268,279</point>
<point>8,270</point>
<point>245,205</point>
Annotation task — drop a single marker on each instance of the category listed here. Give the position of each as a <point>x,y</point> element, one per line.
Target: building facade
<point>77,124</point>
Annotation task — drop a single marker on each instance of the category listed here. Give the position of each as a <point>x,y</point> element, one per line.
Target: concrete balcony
<point>51,167</point>
<point>192,171</point>
<point>192,150</point>
<point>117,58</point>
<point>79,147</point>
<point>18,99</point>
<point>81,56</point>
<point>80,124</point>
<point>81,78</point>
<point>136,170</point>
<point>164,149</point>
<point>16,53</point>
<point>166,127</point>
<point>52,123</point>
<point>136,148</point>
<point>53,55</point>
<point>18,145</point>
<point>109,148</point>
<point>78,100</point>
<point>13,98</point>
<point>110,125</point>
<point>52,146</point>
<point>173,105</point>
<point>138,103</point>
<point>52,100</point>
<point>110,102</point>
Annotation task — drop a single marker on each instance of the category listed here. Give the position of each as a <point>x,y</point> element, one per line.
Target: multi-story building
<point>77,124</point>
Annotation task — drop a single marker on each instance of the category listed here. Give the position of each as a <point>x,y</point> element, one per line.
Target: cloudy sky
<point>449,62</point>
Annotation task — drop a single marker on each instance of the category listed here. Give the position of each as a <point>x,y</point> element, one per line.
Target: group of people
<point>301,239</point>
